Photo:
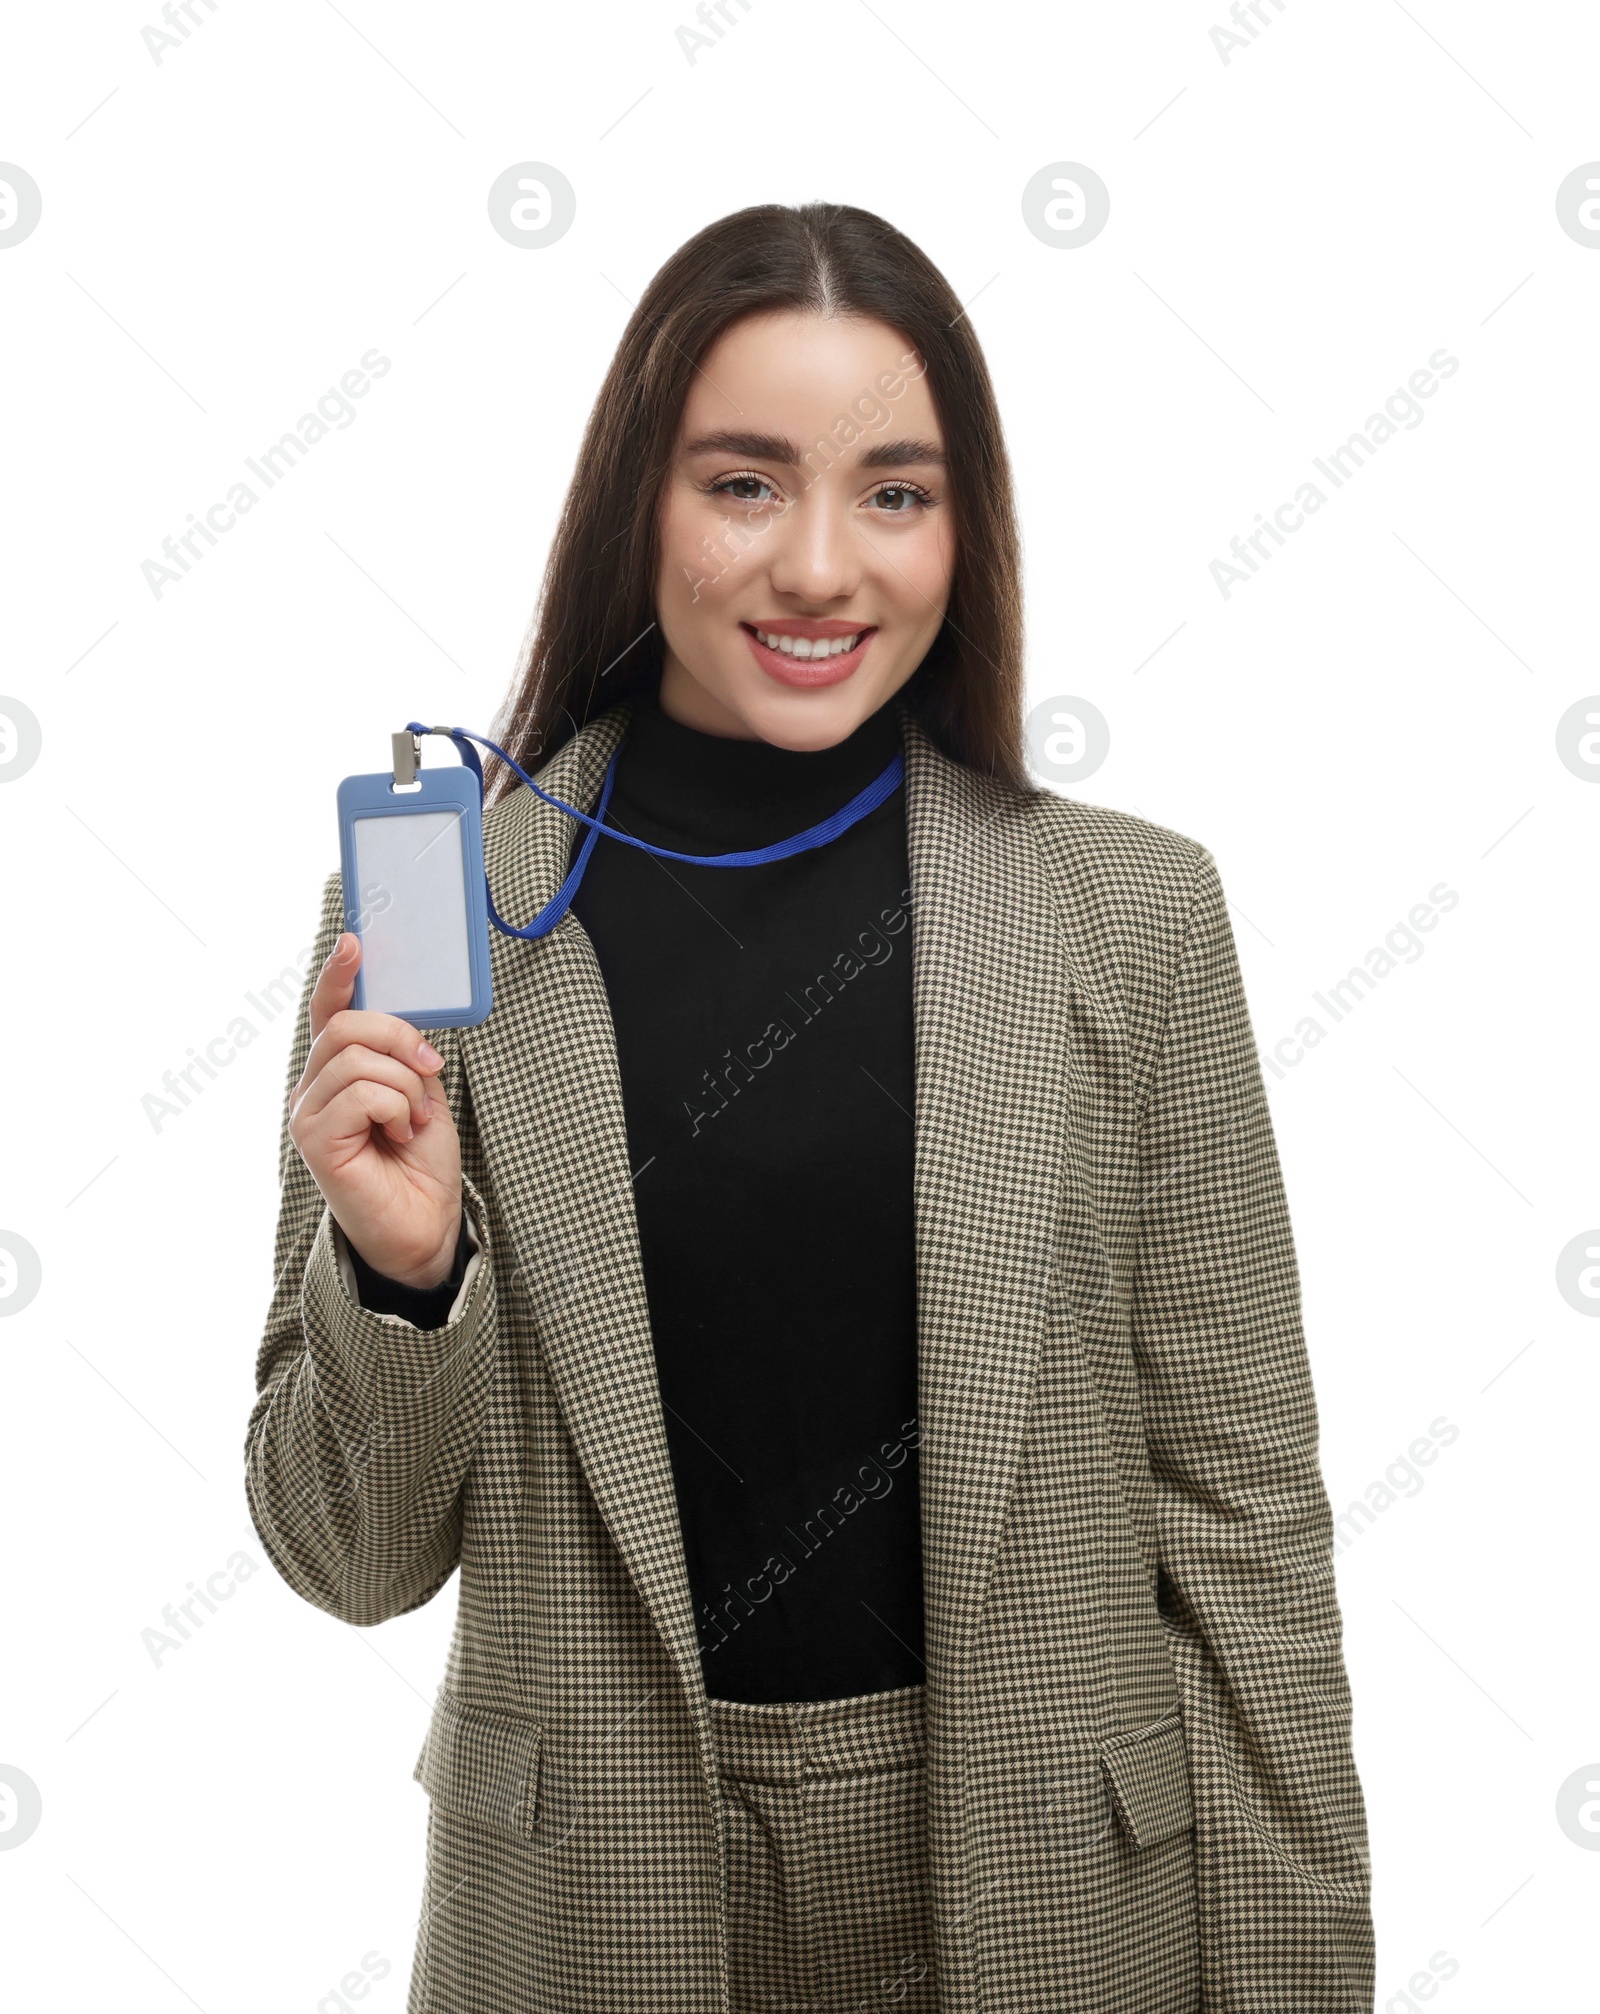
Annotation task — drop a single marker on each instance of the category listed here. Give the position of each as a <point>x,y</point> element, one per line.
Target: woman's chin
<point>801,718</point>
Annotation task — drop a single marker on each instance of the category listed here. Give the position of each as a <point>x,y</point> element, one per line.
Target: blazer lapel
<point>998,1205</point>
<point>547,1096</point>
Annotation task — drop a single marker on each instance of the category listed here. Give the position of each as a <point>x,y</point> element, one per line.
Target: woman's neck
<point>722,792</point>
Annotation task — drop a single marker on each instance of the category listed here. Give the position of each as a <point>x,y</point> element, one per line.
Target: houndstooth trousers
<point>823,1808</point>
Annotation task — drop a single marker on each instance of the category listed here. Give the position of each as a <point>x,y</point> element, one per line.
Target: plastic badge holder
<point>411,860</point>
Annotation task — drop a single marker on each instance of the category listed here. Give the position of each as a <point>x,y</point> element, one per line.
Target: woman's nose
<point>816,557</point>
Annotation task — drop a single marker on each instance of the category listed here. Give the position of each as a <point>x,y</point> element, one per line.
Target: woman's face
<point>807,502</point>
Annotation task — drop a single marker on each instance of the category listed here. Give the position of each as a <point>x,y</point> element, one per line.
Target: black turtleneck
<point>763,1021</point>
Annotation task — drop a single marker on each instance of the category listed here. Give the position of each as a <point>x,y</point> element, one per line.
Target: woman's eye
<point>902,499</point>
<point>739,488</point>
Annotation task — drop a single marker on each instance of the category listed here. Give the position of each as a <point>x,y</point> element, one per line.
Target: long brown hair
<point>595,639</point>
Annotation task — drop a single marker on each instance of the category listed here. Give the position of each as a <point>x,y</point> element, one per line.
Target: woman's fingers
<point>351,1116</point>
<point>356,1061</point>
<point>336,982</point>
<point>370,1083</point>
<point>384,1032</point>
<point>345,1126</point>
<point>335,1024</point>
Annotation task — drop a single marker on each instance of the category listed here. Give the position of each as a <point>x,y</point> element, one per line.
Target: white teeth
<point>805,646</point>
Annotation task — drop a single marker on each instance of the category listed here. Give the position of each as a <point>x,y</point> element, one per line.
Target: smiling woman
<point>797,436</point>
<point>1061,1724</point>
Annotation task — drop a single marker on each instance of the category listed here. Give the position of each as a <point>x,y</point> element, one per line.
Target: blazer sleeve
<point>364,1425</point>
<point>1244,1524</point>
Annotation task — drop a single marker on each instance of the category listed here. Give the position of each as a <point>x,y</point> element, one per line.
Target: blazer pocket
<point>483,1765</point>
<point>1147,1769</point>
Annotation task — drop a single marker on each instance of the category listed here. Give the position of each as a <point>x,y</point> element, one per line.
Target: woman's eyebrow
<point>903,454</point>
<point>774,448</point>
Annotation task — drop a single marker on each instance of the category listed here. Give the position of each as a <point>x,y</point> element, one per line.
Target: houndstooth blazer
<point>1140,1785</point>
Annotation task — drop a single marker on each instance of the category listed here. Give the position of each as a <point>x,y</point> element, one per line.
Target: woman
<point>895,1566</point>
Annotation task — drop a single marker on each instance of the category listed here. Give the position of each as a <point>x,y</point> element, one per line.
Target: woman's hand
<point>373,1126</point>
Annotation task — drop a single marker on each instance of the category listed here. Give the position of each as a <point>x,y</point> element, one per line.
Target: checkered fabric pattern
<point>824,1808</point>
<point>1140,1796</point>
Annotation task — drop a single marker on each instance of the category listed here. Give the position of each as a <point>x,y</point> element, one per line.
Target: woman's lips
<point>806,671</point>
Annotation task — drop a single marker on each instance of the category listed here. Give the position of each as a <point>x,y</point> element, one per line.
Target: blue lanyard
<point>881,787</point>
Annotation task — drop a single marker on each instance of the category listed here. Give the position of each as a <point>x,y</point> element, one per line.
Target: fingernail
<point>429,1054</point>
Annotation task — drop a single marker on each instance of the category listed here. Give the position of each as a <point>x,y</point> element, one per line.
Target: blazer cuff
<point>366,1343</point>
<point>418,1306</point>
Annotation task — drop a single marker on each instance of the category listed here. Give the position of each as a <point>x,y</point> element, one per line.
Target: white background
<point>1292,233</point>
